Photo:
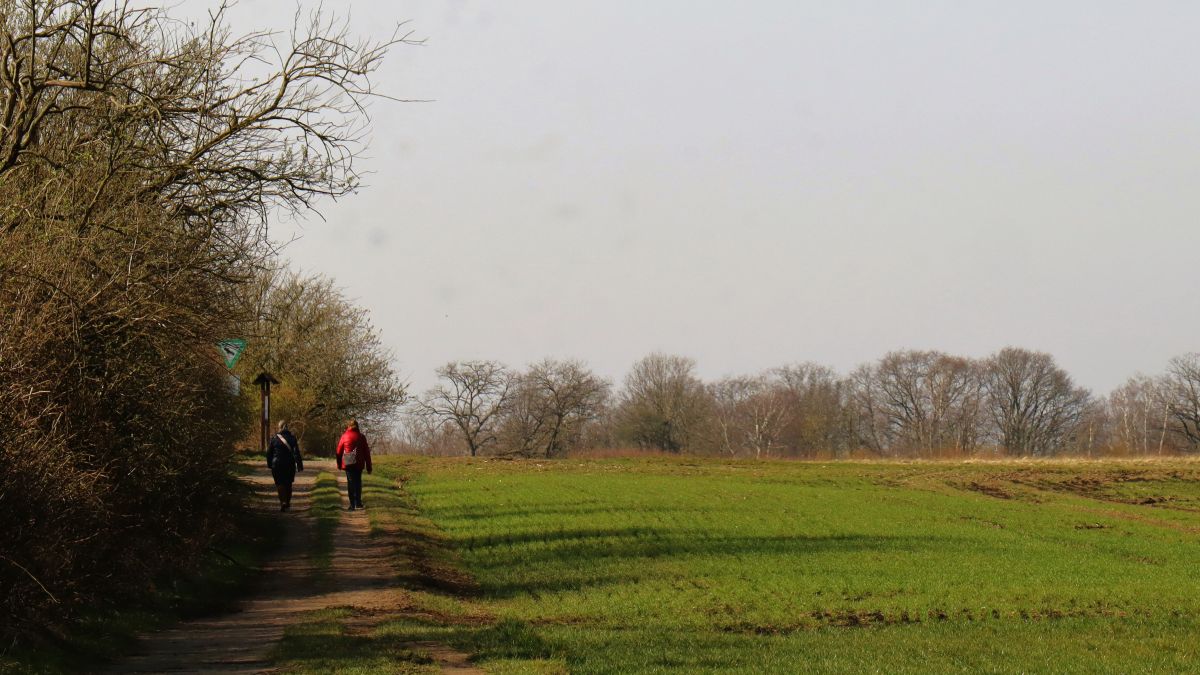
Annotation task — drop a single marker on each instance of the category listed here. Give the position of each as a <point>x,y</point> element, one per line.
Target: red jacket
<point>352,439</point>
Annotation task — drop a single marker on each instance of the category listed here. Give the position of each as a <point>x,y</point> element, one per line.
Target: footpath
<point>362,572</point>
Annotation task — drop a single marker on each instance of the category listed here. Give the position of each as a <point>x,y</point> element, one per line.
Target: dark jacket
<point>352,439</point>
<point>283,453</point>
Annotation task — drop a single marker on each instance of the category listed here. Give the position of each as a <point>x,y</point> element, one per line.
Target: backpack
<point>350,457</point>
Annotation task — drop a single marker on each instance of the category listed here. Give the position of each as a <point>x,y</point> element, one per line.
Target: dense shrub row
<point>138,165</point>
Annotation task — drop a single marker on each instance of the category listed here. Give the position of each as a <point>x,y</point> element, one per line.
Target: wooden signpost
<point>264,382</point>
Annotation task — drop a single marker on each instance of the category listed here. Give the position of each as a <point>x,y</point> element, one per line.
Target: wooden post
<point>264,382</point>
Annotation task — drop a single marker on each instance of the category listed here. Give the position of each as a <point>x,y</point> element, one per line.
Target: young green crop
<point>644,565</point>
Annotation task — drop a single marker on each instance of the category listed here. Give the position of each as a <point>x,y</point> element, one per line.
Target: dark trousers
<point>284,475</point>
<point>354,485</point>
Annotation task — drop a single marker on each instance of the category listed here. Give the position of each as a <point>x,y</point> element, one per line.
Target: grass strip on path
<point>435,606</point>
<point>326,511</point>
<point>324,642</point>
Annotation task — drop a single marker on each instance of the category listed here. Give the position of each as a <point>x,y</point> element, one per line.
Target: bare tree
<point>225,134</point>
<point>817,418</point>
<point>750,413</point>
<point>1139,413</point>
<point>472,396</point>
<point>918,401</point>
<point>566,395</point>
<point>664,405</point>
<point>1034,404</point>
<point>523,423</point>
<point>870,423</point>
<point>428,435</point>
<point>728,394</point>
<point>1093,434</point>
<point>1182,391</point>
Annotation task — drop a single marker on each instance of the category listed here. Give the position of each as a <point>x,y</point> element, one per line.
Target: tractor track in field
<point>362,577</point>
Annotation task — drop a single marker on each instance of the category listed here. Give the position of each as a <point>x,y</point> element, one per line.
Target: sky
<point>765,182</point>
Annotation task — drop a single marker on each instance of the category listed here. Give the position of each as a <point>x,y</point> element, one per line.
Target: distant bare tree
<point>1182,389</point>
<point>918,401</point>
<point>870,422</point>
<point>1094,434</point>
<point>750,413</point>
<point>664,405</point>
<point>956,392</point>
<point>1139,413</point>
<point>472,396</point>
<point>817,419</point>
<point>566,395</point>
<point>521,428</point>
<point>1034,404</point>
<point>427,435</point>
<point>729,395</point>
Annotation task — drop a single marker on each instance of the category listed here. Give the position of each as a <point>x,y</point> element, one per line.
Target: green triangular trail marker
<point>231,351</point>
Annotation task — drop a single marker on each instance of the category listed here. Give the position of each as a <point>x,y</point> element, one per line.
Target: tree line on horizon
<point>906,404</point>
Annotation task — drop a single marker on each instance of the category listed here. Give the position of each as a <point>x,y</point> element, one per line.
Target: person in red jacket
<point>354,455</point>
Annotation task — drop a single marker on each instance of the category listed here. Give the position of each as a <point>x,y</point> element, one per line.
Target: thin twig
<point>35,579</point>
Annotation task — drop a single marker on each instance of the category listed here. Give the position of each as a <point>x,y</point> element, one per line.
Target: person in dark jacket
<point>284,460</point>
<point>354,455</point>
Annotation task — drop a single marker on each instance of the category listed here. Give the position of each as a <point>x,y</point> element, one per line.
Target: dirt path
<point>362,572</point>
<point>239,642</point>
<point>366,579</point>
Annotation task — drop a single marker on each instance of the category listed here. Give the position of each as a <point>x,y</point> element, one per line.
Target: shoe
<point>286,506</point>
<point>361,506</point>
<point>283,507</point>
<point>350,509</point>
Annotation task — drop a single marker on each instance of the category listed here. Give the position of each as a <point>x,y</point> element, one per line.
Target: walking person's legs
<point>283,485</point>
<point>281,488</point>
<point>354,487</point>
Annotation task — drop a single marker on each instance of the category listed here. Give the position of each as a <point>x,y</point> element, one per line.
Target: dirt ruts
<point>362,573</point>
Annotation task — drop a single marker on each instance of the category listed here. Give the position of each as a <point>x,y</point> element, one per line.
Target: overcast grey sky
<point>757,183</point>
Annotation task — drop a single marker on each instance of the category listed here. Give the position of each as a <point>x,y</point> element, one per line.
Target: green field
<point>644,565</point>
